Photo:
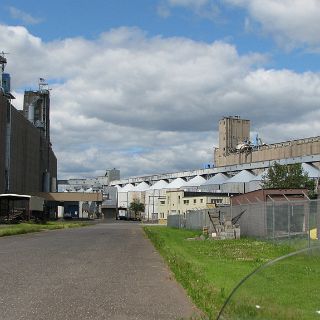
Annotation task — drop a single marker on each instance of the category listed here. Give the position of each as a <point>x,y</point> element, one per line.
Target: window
<point>201,200</point>
<point>162,202</point>
<point>186,201</point>
<point>194,200</point>
<point>216,200</point>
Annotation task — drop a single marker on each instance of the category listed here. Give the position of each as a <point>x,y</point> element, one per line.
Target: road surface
<point>105,271</point>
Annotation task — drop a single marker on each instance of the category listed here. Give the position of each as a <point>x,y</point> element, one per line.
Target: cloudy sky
<point>141,85</point>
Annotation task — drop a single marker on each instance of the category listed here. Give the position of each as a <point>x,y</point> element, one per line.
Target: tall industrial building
<point>27,161</point>
<point>36,108</point>
<point>232,132</point>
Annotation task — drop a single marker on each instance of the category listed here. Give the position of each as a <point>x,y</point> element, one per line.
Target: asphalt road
<point>106,271</point>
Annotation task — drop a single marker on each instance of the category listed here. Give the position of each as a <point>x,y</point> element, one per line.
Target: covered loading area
<point>74,204</point>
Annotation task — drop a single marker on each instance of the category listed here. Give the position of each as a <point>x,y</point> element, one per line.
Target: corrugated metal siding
<point>3,119</point>
<point>30,153</point>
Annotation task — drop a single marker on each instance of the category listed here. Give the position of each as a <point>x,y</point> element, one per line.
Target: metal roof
<point>176,183</point>
<point>14,196</point>
<point>243,176</point>
<point>195,182</point>
<point>311,170</point>
<point>161,184</point>
<point>219,178</point>
<point>142,186</point>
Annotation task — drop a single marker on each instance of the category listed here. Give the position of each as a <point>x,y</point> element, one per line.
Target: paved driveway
<point>106,271</point>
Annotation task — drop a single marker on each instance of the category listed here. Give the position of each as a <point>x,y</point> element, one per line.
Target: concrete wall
<point>31,155</point>
<point>25,172</point>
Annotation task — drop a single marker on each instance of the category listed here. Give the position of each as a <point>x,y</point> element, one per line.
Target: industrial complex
<point>28,166</point>
<point>27,161</point>
<point>239,167</point>
<point>235,147</point>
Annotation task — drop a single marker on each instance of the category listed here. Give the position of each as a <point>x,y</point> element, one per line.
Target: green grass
<point>209,270</point>
<point>10,230</point>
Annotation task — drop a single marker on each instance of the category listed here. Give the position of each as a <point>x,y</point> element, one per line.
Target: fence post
<point>308,220</point>
<point>273,218</point>
<point>309,236</point>
<point>289,221</point>
<point>318,220</point>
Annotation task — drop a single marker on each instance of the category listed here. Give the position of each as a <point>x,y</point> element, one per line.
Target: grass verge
<point>10,230</point>
<point>209,270</point>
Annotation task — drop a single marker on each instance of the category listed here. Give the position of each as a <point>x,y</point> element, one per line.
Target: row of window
<point>195,201</point>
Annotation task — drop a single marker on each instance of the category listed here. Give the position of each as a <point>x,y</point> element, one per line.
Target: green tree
<point>288,177</point>
<point>137,207</point>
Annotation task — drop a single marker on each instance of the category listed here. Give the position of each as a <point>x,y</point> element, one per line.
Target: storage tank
<point>6,82</point>
<point>31,113</point>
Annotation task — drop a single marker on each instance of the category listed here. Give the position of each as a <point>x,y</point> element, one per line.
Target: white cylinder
<point>31,113</point>
<point>60,211</point>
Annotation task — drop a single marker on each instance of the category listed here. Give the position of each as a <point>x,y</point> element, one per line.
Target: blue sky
<point>161,73</point>
<point>64,19</point>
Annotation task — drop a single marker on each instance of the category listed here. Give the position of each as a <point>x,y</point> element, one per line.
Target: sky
<point>141,85</point>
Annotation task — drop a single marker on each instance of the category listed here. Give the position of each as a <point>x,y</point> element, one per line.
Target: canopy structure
<point>195,182</point>
<point>118,188</point>
<point>214,183</point>
<point>311,170</point>
<point>219,178</point>
<point>12,196</point>
<point>242,176</point>
<point>128,187</point>
<point>161,184</point>
<point>142,186</point>
<point>238,183</point>
<point>176,184</point>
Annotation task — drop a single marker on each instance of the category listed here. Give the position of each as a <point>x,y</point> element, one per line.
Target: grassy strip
<point>209,270</point>
<point>35,227</point>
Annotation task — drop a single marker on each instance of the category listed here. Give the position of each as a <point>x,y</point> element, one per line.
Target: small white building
<point>153,198</point>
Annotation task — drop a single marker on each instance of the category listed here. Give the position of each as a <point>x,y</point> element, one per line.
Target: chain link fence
<point>272,220</point>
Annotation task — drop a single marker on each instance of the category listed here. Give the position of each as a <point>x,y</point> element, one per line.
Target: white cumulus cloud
<point>152,104</point>
<point>293,23</point>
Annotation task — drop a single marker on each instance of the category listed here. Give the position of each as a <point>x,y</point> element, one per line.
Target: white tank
<point>60,211</point>
<point>31,113</point>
